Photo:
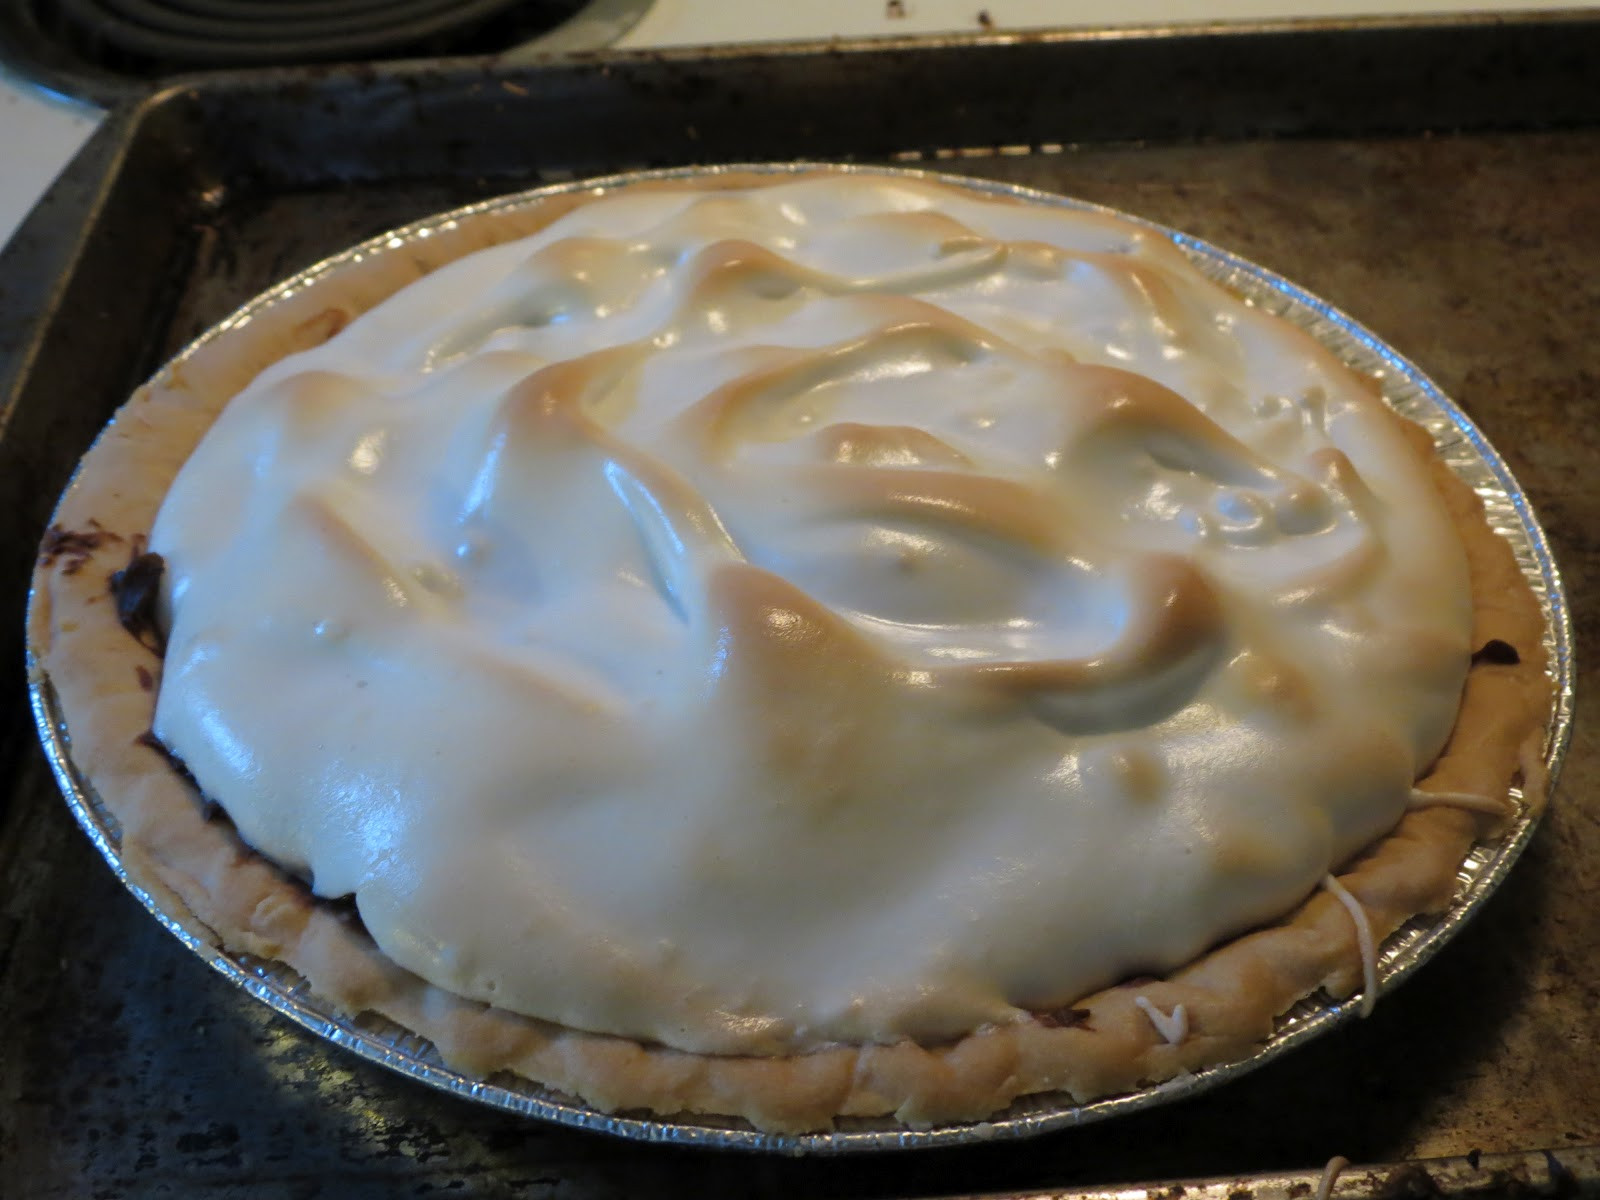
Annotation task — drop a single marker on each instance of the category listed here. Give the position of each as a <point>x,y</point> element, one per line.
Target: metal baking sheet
<point>1462,228</point>
<point>1461,446</point>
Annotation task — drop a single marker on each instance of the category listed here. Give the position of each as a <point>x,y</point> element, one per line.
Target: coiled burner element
<point>152,37</point>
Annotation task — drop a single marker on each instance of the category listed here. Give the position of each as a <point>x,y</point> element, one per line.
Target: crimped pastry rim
<point>1473,458</point>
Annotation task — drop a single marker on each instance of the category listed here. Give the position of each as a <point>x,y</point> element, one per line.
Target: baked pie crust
<point>1217,1009</point>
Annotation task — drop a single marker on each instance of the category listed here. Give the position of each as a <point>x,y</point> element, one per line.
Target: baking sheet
<point>1493,230</point>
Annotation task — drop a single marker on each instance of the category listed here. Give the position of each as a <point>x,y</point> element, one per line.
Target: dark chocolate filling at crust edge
<point>1496,653</point>
<point>136,589</point>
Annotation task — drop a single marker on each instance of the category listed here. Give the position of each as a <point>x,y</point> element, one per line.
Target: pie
<point>789,646</point>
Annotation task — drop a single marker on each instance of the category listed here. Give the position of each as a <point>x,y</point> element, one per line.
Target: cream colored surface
<point>693,22</point>
<point>844,611</point>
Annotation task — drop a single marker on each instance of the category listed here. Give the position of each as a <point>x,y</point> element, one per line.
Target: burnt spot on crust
<point>323,326</point>
<point>147,680</point>
<point>1065,1018</point>
<point>73,547</point>
<point>1496,653</point>
<point>135,589</point>
<point>209,808</point>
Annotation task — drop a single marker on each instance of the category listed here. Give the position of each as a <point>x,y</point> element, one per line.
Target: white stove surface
<point>697,22</point>
<point>39,134</point>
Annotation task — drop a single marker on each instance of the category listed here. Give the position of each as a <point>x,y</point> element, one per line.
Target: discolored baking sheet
<point>1464,251</point>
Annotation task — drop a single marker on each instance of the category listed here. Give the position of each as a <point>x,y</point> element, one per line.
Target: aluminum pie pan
<point>1459,444</point>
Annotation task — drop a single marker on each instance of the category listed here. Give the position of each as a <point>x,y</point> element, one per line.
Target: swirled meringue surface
<point>841,609</point>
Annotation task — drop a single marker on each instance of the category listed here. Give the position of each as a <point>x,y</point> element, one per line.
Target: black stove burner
<point>92,48</point>
<point>239,33</point>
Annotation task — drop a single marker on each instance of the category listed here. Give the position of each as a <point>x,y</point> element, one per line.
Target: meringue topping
<point>843,609</point>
